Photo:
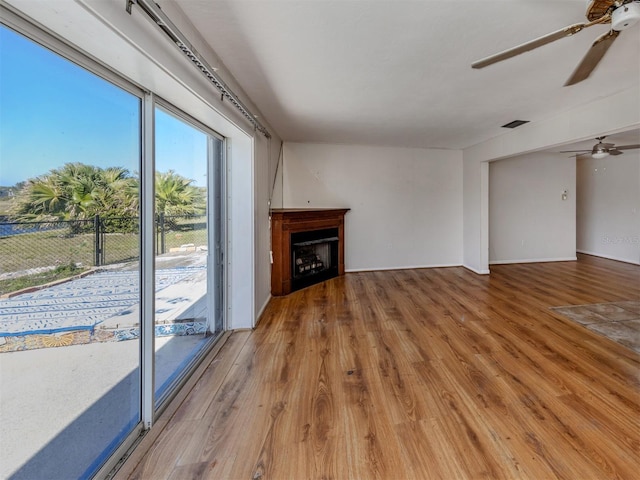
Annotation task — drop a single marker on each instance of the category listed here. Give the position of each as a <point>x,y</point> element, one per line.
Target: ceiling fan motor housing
<point>625,16</point>
<point>599,148</point>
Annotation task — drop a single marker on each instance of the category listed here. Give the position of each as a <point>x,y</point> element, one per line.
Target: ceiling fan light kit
<point>621,14</point>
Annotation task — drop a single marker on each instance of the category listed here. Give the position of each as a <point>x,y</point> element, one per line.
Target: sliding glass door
<point>188,273</point>
<point>70,373</point>
<point>89,351</point>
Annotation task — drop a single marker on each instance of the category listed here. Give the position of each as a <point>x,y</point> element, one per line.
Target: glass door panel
<point>185,266</point>
<point>69,264</point>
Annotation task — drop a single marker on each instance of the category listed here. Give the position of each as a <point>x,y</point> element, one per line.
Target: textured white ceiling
<point>398,72</point>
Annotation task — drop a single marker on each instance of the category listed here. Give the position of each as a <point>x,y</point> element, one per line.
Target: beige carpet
<point>619,321</point>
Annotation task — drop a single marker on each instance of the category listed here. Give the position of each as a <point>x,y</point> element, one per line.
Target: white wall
<point>608,209</point>
<point>528,219</point>
<point>475,255</point>
<point>265,172</point>
<point>603,116</point>
<point>406,204</point>
<point>133,47</point>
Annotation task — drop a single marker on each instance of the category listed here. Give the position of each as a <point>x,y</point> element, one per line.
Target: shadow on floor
<point>83,446</point>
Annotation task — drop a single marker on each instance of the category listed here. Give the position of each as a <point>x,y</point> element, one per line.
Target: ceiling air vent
<point>515,123</point>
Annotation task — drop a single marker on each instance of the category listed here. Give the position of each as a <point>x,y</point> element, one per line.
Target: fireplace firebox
<point>314,257</point>
<point>307,247</point>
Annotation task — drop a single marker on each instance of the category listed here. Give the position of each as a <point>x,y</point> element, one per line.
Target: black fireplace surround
<point>314,257</point>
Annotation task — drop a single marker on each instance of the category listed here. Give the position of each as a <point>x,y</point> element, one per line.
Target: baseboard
<point>475,270</point>
<point>404,267</point>
<point>534,260</point>
<point>608,257</point>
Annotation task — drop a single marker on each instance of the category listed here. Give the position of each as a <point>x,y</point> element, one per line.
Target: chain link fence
<point>29,247</point>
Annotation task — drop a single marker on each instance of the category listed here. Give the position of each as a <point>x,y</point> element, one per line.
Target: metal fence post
<point>163,244</point>
<point>97,242</point>
<point>103,249</point>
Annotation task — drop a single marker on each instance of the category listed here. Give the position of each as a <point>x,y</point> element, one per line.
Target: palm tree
<point>176,196</point>
<point>77,192</point>
<point>40,198</point>
<point>120,191</point>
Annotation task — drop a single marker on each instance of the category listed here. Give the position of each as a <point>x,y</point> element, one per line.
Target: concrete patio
<point>69,363</point>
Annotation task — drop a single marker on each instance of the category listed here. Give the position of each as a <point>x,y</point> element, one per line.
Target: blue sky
<point>181,148</point>
<point>53,112</point>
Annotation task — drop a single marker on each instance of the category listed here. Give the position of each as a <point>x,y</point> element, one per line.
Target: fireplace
<point>314,257</point>
<point>307,247</point>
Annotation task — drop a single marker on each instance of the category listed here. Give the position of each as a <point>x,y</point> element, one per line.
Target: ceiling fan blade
<point>627,147</point>
<point>615,151</point>
<point>525,47</point>
<point>574,151</point>
<point>593,57</point>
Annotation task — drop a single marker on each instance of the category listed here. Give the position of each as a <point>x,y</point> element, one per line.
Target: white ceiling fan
<point>622,14</point>
<point>602,150</point>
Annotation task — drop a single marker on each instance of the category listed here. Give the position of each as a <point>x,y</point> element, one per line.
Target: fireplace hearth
<point>307,247</point>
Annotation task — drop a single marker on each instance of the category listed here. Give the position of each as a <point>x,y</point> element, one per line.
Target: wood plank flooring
<point>417,374</point>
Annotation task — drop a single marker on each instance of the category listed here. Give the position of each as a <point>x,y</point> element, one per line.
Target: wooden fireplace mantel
<point>284,222</point>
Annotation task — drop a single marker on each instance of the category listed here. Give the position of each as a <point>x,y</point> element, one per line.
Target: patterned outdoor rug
<point>84,303</point>
<point>618,321</point>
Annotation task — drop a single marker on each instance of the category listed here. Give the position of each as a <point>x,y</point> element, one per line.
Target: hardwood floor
<point>417,374</point>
